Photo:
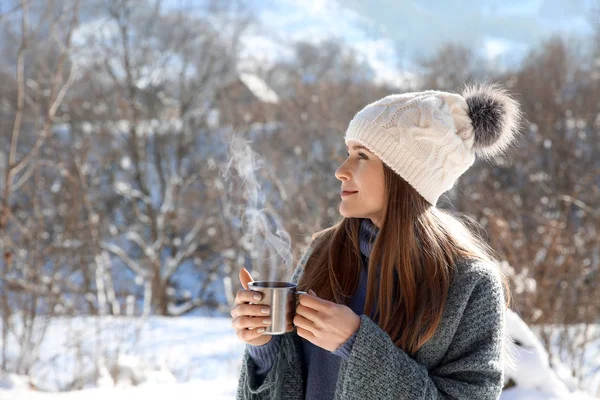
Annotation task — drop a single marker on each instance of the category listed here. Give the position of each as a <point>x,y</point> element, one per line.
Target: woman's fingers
<point>247,296</point>
<point>250,322</point>
<point>307,312</point>
<point>245,278</point>
<point>303,323</point>
<point>256,310</point>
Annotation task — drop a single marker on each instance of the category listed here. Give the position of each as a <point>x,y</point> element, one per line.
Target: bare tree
<point>539,207</point>
<point>43,75</point>
<point>450,68</point>
<point>165,81</point>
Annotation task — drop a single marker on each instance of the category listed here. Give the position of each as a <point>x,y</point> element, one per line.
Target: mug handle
<point>296,293</point>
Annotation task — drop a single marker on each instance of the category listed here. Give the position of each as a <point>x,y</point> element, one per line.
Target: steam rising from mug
<point>262,227</point>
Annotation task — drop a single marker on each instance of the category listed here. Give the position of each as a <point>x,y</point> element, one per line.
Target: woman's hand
<point>323,323</point>
<point>249,319</point>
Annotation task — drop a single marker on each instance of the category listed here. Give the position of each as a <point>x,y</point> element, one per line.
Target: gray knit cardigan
<point>463,360</point>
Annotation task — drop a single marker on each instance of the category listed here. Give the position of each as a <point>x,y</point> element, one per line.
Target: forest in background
<point>116,132</point>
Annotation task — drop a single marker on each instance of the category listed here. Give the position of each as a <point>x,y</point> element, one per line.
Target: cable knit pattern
<point>425,137</point>
<point>461,361</point>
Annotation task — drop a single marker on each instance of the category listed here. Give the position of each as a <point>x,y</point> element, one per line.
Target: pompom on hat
<point>431,138</point>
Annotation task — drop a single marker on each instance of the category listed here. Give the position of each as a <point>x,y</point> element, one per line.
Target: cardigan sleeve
<point>275,372</point>
<point>471,368</point>
<point>285,379</point>
<point>264,357</point>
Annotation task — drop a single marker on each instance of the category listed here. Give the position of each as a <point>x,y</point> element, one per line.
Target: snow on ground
<point>183,358</point>
<point>202,353</point>
<point>219,389</point>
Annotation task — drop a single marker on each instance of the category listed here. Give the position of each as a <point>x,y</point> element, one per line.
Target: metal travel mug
<point>282,298</point>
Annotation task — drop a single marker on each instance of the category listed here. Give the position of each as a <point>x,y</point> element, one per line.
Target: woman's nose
<point>342,173</point>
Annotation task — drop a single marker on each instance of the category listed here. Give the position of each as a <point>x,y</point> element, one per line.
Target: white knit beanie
<point>431,138</point>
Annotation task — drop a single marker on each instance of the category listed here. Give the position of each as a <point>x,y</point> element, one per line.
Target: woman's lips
<point>344,193</point>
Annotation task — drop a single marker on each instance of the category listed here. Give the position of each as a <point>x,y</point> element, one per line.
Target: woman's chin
<point>344,212</point>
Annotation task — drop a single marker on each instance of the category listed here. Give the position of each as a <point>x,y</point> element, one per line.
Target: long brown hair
<point>419,242</point>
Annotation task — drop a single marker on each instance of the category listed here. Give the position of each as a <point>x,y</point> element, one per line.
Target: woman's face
<point>362,191</point>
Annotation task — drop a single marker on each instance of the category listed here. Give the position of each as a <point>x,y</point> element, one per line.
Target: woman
<point>406,302</point>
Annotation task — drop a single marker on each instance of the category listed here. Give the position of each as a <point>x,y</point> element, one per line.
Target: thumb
<point>312,292</point>
<point>245,278</point>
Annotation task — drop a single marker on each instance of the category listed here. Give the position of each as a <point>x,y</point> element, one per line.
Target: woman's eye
<point>362,155</point>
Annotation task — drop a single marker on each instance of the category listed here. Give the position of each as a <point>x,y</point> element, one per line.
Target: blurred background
<point>150,149</point>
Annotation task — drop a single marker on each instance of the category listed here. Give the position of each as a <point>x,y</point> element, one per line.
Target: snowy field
<point>185,358</point>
